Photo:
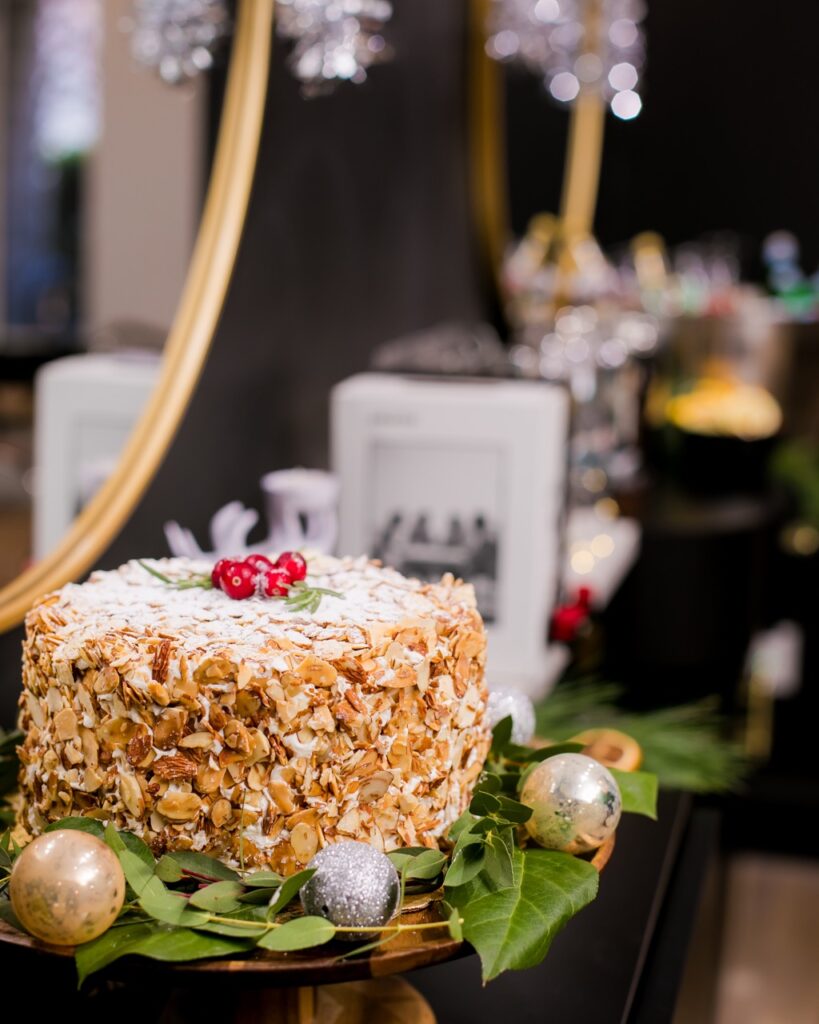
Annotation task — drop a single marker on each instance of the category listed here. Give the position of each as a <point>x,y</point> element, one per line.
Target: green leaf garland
<point>508,902</point>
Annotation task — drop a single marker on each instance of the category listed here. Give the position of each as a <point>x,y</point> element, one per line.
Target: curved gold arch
<point>487,150</point>
<point>193,328</point>
<point>489,184</point>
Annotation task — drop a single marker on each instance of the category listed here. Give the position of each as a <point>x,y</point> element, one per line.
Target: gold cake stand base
<point>376,1001</point>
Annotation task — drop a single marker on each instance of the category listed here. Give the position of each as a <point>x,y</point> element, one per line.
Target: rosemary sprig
<point>302,597</point>
<point>189,583</point>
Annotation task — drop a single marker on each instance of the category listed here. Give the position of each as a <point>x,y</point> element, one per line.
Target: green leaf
<point>218,897</point>
<point>167,870</point>
<point>259,897</point>
<point>137,873</point>
<point>139,848</point>
<point>513,811</point>
<point>168,907</point>
<point>288,890</point>
<point>114,840</point>
<point>262,880</point>
<point>489,783</point>
<point>499,868</point>
<point>425,866</point>
<point>512,928</point>
<point>158,942</point>
<point>8,915</point>
<point>154,898</point>
<point>535,755</point>
<point>119,841</point>
<point>465,865</point>
<point>454,923</point>
<point>501,737</point>
<point>484,803</point>
<point>80,824</point>
<point>300,933</point>
<point>199,864</point>
<point>463,824</point>
<point>639,792</point>
<point>401,857</point>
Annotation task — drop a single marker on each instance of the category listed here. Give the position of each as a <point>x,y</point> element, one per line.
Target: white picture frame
<point>461,474</point>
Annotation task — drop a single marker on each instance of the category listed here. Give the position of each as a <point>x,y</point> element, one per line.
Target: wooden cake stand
<point>306,987</point>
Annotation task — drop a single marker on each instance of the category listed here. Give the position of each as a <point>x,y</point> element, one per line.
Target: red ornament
<point>569,619</point>
<point>259,562</point>
<point>218,571</point>
<point>293,564</point>
<point>274,582</point>
<point>239,580</point>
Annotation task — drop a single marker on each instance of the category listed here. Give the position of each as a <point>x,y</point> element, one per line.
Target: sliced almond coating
<point>65,724</point>
<point>197,741</point>
<point>221,812</point>
<point>159,693</point>
<point>374,787</point>
<point>208,780</point>
<point>168,728</point>
<point>179,806</point>
<point>107,680</point>
<point>316,671</point>
<point>90,747</point>
<point>139,745</point>
<point>304,840</point>
<point>131,794</point>
<point>175,766</point>
<point>282,796</point>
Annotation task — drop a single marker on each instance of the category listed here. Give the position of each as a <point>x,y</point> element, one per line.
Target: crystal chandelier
<point>333,40</point>
<point>574,45</point>
<point>177,38</point>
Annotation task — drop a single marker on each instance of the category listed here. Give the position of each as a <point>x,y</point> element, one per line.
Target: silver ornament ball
<point>355,886</point>
<point>503,703</point>
<point>575,802</point>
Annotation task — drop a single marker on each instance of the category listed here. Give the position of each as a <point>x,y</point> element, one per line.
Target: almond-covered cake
<point>204,723</point>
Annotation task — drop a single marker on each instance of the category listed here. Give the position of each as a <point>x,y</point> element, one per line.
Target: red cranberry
<point>259,562</point>
<point>293,564</point>
<point>239,580</point>
<point>274,582</point>
<point>218,571</point>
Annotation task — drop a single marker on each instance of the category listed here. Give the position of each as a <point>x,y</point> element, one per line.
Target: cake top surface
<point>132,601</point>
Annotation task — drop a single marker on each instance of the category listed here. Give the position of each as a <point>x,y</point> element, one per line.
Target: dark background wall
<point>727,138</point>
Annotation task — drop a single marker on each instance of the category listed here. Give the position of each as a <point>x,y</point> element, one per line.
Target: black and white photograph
<point>462,476</point>
<point>452,524</point>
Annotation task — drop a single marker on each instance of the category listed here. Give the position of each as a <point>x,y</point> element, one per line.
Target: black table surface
<point>614,961</point>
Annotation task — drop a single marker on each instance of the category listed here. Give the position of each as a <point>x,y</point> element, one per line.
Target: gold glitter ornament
<point>67,887</point>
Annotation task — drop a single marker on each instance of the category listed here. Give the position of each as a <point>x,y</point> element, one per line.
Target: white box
<point>85,408</point>
<point>466,475</point>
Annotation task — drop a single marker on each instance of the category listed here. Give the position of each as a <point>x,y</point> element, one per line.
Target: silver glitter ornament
<point>503,703</point>
<point>355,886</point>
<point>575,802</point>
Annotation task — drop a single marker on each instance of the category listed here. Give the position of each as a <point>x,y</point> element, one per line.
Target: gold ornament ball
<point>67,887</point>
<point>575,803</point>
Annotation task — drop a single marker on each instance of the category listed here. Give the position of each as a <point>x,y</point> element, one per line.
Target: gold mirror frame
<point>488,150</point>
<point>194,324</point>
